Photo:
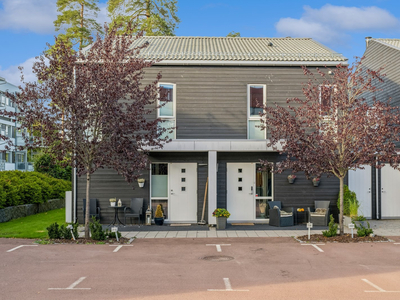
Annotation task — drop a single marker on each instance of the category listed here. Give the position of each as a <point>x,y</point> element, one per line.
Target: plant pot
<point>316,183</point>
<point>112,203</point>
<point>262,216</point>
<point>346,221</point>
<point>141,184</point>
<point>291,180</point>
<point>221,223</point>
<point>159,221</point>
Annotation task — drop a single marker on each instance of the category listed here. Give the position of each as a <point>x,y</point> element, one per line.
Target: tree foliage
<point>332,129</point>
<point>233,34</point>
<point>45,164</point>
<point>79,18</point>
<point>99,130</point>
<point>153,17</point>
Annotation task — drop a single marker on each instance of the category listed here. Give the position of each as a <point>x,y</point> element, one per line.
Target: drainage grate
<point>217,258</point>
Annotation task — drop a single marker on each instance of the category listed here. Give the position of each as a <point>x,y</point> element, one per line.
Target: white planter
<point>141,184</point>
<point>112,203</point>
<point>346,221</point>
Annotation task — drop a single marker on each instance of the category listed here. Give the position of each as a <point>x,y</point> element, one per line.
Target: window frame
<point>255,118</point>
<point>168,118</point>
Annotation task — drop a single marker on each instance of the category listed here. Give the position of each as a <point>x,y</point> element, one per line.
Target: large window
<point>256,96</point>
<point>167,109</point>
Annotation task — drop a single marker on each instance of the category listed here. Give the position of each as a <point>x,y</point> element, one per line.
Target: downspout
<point>373,192</point>
<point>379,215</point>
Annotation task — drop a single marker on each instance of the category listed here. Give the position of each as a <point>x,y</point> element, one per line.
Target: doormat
<point>180,224</point>
<point>250,224</point>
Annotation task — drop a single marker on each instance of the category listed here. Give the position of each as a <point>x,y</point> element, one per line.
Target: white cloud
<point>27,15</point>
<point>331,24</point>
<point>13,74</point>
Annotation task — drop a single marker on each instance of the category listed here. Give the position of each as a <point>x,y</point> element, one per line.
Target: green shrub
<point>332,231</point>
<point>363,231</point>
<point>97,230</point>
<point>46,165</point>
<point>112,235</point>
<point>348,196</point>
<point>17,188</point>
<point>54,231</point>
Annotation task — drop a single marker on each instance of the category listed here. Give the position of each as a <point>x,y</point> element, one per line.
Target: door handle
<point>251,190</point>
<point>172,192</point>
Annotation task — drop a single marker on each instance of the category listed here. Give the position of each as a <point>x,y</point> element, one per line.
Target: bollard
<point>309,226</point>
<point>115,229</point>
<point>351,226</point>
<point>70,227</point>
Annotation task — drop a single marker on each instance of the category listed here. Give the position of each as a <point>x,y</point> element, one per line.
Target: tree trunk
<point>341,206</point>
<point>87,214</point>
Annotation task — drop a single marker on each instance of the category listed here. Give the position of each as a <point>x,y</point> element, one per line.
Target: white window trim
<point>173,102</point>
<point>173,117</point>
<point>255,118</point>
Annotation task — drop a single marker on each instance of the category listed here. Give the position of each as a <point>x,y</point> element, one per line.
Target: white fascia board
<point>250,63</point>
<point>217,145</point>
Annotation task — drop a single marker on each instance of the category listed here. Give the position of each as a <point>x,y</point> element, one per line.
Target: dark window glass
<point>256,99</point>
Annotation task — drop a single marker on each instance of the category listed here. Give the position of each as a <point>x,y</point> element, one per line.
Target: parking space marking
<point>119,247</point>
<point>379,290</point>
<point>315,246</point>
<point>72,286</point>
<point>19,247</point>
<point>396,243</point>
<point>219,249</point>
<point>228,287</point>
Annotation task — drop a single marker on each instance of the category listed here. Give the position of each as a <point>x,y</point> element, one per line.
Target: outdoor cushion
<point>320,211</point>
<point>276,207</point>
<point>313,214</point>
<point>284,213</point>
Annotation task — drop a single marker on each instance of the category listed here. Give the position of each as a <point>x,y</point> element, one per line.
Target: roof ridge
<point>225,37</point>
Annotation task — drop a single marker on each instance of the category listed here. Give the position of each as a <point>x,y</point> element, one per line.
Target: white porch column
<point>212,185</point>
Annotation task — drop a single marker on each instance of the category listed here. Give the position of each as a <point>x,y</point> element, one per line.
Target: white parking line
<point>72,286</point>
<point>119,247</point>
<point>379,290</point>
<point>315,246</point>
<point>219,249</point>
<point>19,247</point>
<point>396,243</point>
<point>228,287</point>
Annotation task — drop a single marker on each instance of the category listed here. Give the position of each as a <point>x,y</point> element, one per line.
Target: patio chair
<point>135,210</point>
<point>319,215</point>
<point>279,216</point>
<point>94,209</point>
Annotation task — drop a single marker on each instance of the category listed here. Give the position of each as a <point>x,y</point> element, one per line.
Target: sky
<point>27,25</point>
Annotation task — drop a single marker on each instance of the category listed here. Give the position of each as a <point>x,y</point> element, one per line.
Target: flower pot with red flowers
<point>291,178</point>
<point>316,181</point>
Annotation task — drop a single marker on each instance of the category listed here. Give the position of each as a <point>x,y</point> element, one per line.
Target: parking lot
<point>223,268</point>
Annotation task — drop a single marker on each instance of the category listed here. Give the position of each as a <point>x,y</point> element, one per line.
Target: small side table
<point>301,216</point>
<point>116,217</point>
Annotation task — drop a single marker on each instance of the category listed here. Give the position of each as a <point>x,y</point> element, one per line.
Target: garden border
<point>15,212</point>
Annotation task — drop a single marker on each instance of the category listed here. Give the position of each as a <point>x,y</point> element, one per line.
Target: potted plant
<point>141,182</point>
<point>263,206</point>
<point>113,201</point>
<point>316,181</point>
<point>222,215</point>
<point>291,178</point>
<point>159,216</point>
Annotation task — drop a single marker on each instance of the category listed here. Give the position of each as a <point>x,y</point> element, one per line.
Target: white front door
<point>360,183</point>
<point>390,189</point>
<point>240,191</point>
<point>183,192</point>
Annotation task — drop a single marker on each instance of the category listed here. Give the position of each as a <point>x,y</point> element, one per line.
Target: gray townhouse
<point>214,84</point>
<point>379,190</point>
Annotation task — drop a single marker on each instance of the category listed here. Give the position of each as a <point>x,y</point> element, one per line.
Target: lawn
<point>32,227</point>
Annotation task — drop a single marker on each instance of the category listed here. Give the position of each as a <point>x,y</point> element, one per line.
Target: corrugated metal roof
<point>174,48</point>
<point>390,42</point>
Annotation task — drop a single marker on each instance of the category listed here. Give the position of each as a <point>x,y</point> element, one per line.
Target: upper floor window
<point>326,93</point>
<point>167,109</point>
<point>256,96</point>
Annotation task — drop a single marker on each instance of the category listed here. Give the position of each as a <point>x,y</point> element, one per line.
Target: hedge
<point>18,188</point>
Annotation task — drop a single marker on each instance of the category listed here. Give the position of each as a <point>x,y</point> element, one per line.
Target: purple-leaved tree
<point>93,108</point>
<point>333,128</point>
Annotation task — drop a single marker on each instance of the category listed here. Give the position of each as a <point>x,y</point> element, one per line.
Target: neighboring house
<point>214,85</point>
<point>10,160</point>
<point>378,190</point>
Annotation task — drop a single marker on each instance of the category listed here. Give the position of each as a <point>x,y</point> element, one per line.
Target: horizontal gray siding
<point>212,101</point>
<point>300,194</point>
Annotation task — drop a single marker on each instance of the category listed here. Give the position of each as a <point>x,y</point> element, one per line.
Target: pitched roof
<point>389,42</point>
<point>236,49</point>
